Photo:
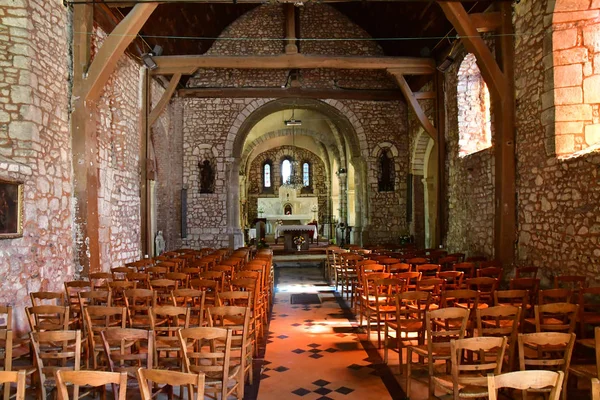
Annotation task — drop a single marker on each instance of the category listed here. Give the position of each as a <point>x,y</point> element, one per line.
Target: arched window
<point>267,175</point>
<point>386,171</point>
<point>306,174</point>
<point>286,170</point>
<point>474,119</point>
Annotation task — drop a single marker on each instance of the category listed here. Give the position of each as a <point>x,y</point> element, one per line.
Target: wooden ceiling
<point>421,24</point>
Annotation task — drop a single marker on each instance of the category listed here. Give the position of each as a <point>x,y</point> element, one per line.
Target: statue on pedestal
<point>159,243</point>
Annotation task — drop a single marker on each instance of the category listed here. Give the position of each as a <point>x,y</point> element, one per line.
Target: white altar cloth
<point>280,229</point>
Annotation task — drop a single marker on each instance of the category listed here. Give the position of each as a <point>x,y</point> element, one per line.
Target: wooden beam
<point>84,145</point>
<point>504,149</point>
<point>129,3</point>
<point>164,100</point>
<point>414,104</point>
<point>425,95</point>
<point>290,29</point>
<point>473,42</point>
<point>145,237</point>
<point>267,93</point>
<point>113,48</point>
<point>486,22</point>
<point>188,65</point>
<point>442,219</point>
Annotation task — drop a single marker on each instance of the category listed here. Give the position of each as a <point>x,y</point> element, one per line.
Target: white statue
<point>159,243</point>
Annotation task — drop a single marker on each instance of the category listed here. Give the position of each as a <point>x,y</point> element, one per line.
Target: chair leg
<point>408,371</point>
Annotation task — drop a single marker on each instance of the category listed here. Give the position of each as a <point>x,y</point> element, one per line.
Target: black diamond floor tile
<point>323,391</point>
<point>344,390</point>
<point>301,392</point>
<point>321,382</point>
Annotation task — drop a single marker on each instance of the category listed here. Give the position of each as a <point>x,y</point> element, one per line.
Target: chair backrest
<point>526,380</point>
<point>208,350</point>
<point>90,378</point>
<point>6,315</point>
<point>443,325</point>
<point>138,303</point>
<point>473,356</point>
<point>499,321</point>
<point>411,279</point>
<point>526,272</point>
<point>433,285</point>
<point>99,280</point>
<point>411,308</point>
<point>557,295</point>
<point>6,337</point>
<point>467,267</point>
<point>468,299</point>
<point>486,287</point>
<point>573,282</point>
<point>163,289</point>
<point>532,285</point>
<point>8,377</point>
<point>545,350</point>
<point>100,297</point>
<point>556,317</point>
<point>55,350</point>
<point>398,268</point>
<point>595,389</point>
<point>128,349</point>
<point>48,318</point>
<point>429,270</point>
<point>194,300</point>
<point>148,377</point>
<point>236,298</point>
<point>47,298</point>
<point>454,279</point>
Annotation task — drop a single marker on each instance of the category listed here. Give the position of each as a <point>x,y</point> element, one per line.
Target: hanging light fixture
<point>295,180</point>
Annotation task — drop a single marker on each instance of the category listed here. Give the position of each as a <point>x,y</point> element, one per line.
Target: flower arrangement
<point>262,244</point>
<point>299,240</point>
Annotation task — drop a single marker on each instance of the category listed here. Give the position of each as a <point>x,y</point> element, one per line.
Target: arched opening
<point>474,116</point>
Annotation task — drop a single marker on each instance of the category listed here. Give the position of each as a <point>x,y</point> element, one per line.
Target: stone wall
<point>470,183</point>
<point>571,105</point>
<point>35,148</point>
<point>276,155</point>
<point>558,200</point>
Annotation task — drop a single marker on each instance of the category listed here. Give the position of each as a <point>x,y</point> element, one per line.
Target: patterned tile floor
<point>317,351</point>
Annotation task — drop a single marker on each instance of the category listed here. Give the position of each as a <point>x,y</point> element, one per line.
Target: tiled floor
<point>317,351</point>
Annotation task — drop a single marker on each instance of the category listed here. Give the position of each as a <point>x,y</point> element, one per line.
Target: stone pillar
<point>236,236</point>
<point>430,210</point>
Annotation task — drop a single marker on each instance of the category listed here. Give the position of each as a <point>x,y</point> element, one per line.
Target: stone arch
<point>384,146</point>
<point>417,165</point>
<point>570,104</point>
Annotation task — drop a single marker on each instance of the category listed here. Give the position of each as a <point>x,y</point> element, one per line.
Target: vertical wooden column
<point>145,225</point>
<point>84,145</point>
<point>440,232</point>
<point>290,28</point>
<point>505,163</point>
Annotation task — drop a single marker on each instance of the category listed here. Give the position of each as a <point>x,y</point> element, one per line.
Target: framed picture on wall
<point>11,209</point>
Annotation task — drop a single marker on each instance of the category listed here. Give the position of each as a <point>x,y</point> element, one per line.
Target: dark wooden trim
<point>250,93</point>
<point>442,204</point>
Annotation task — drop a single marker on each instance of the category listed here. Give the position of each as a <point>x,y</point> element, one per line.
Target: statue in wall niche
<point>207,177</point>
<point>159,243</point>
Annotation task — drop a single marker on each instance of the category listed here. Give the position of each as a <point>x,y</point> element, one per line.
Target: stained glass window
<point>306,174</point>
<point>286,170</point>
<point>267,175</point>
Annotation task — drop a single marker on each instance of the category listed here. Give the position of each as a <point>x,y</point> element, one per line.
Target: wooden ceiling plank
<point>164,100</point>
<point>414,103</point>
<point>473,42</point>
<point>189,64</point>
<point>290,29</point>
<point>486,22</point>
<point>125,3</point>
<point>113,48</point>
<point>338,94</point>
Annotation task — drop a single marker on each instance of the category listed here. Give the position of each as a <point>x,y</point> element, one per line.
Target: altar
<point>289,232</point>
<point>287,209</point>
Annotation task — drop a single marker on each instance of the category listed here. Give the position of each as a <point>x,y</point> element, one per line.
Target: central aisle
<point>314,350</point>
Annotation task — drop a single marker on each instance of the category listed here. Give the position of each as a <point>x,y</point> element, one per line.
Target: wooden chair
<point>95,298</point>
<point>6,338</point>
<point>128,349</point>
<point>468,268</point>
<point>53,351</point>
<point>47,318</point>
<point>411,308</point>
<point>194,300</point>
<point>490,272</point>
<point>441,326</point>
<point>237,320</point>
<point>573,282</point>
<point>210,289</point>
<point>447,263</point>
<point>181,278</point>
<point>164,288</point>
<point>486,287</point>
<point>147,378</point>
<point>555,317</point>
<point>208,350</point>
<point>589,371</point>
<point>140,279</point>
<point>349,275</point>
<point>398,268</point>
<point>165,322</point>
<point>120,273</point>
<point>589,315</point>
<point>501,321</point>
<point>90,378</point>
<point>532,285</point>
<point>466,299</point>
<point>383,305</point>
<point>546,350</point>
<point>416,261</point>
<point>411,279</point>
<point>435,286</point>
<point>156,272</point>
<point>97,319</point>
<point>527,380</point>
<point>526,272</point>
<point>17,377</point>
<point>472,358</point>
<point>47,299</point>
<point>548,296</point>
<point>118,289</point>
<point>72,290</point>
<point>217,276</point>
<point>256,303</point>
<point>595,389</point>
<point>138,303</point>
<point>428,270</point>
<point>454,279</point>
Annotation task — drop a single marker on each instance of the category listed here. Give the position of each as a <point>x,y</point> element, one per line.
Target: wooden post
<point>290,29</point>
<point>84,143</point>
<point>164,100</point>
<point>440,232</point>
<point>145,224</point>
<point>504,152</point>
